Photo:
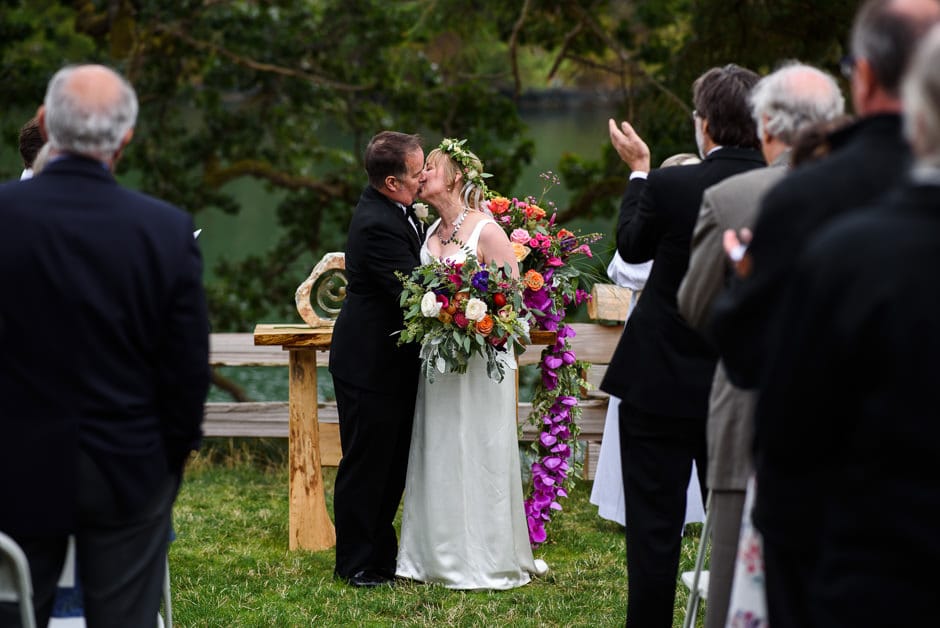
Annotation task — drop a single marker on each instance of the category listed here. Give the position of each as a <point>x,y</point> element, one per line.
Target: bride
<point>463,524</point>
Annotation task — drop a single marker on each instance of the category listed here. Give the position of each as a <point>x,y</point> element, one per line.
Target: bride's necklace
<point>457,223</point>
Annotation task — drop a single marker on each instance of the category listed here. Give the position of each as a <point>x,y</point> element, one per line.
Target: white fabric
<point>463,522</point>
<point>26,174</point>
<point>607,493</point>
<point>748,604</point>
<point>632,276</point>
<point>638,174</point>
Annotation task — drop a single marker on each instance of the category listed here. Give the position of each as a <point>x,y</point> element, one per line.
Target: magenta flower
<point>554,261</point>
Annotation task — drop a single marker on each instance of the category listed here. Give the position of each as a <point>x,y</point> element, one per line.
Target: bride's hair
<point>454,159</point>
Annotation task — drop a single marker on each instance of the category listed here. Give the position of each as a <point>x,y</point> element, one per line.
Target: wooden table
<point>310,526</point>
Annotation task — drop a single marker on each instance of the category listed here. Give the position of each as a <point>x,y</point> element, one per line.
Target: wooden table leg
<point>310,525</point>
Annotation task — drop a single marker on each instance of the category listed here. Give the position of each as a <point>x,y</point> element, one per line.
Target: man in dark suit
<point>103,359</point>
<point>662,370</point>
<point>851,400</point>
<point>375,380</point>
<point>783,103</point>
<point>867,159</point>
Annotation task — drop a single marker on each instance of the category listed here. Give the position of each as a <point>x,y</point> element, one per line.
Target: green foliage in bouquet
<point>455,310</point>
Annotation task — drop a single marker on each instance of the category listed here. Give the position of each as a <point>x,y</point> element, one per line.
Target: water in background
<point>254,230</point>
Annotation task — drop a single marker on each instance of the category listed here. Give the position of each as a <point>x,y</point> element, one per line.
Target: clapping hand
<point>630,146</point>
<point>736,249</point>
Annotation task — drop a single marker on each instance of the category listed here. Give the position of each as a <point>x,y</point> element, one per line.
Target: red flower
<point>460,319</point>
<point>499,299</point>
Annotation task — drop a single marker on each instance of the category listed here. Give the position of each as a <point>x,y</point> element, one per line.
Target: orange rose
<point>499,205</point>
<point>533,280</point>
<point>460,299</point>
<point>564,234</point>
<point>534,211</point>
<point>485,325</point>
<point>521,251</point>
<point>445,317</point>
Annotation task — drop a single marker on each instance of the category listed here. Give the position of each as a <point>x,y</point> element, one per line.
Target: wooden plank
<point>591,453</point>
<point>310,525</point>
<point>240,350</point>
<point>595,343</point>
<point>294,336</point>
<point>270,419</point>
<point>609,302</point>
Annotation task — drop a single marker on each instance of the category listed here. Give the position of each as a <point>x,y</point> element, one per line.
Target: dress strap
<point>473,240</point>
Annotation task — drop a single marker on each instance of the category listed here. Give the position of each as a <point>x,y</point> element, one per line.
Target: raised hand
<point>630,146</point>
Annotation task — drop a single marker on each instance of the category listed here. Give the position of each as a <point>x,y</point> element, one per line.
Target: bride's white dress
<point>463,523</point>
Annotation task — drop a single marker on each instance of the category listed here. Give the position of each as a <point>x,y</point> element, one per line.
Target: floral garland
<point>467,160</point>
<point>545,252</point>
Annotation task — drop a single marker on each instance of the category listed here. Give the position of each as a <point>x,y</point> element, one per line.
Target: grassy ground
<point>231,567</point>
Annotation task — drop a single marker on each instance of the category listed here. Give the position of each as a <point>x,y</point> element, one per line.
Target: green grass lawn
<point>230,565</point>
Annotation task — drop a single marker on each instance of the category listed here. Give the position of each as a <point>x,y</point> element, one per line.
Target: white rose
<point>476,309</point>
<point>421,210</point>
<point>430,306</point>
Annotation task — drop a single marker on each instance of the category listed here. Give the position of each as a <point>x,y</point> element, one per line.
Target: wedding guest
<point>463,523</point>
<point>782,105</point>
<point>867,159</point>
<point>99,417</point>
<point>662,369</point>
<point>607,490</point>
<point>375,379</point>
<point>31,141</point>
<point>858,372</point>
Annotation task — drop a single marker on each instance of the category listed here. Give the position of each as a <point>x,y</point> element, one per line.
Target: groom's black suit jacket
<point>364,350</point>
<point>104,342</point>
<point>661,365</point>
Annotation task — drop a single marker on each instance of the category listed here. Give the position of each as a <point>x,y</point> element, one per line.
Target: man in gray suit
<point>782,104</point>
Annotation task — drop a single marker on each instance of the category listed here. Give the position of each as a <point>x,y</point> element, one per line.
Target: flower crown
<point>467,162</point>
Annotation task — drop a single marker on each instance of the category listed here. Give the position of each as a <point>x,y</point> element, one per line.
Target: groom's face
<point>409,184</point>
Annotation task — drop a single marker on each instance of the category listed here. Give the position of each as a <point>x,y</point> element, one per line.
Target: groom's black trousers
<point>375,431</point>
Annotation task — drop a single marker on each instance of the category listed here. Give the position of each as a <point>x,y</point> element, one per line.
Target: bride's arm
<point>494,246</point>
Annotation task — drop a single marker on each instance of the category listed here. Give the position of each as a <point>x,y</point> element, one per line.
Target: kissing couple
<point>450,446</point>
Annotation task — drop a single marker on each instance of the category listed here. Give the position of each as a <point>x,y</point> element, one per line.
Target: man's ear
<point>864,82</point>
<point>41,119</point>
<point>124,142</point>
<point>391,183</point>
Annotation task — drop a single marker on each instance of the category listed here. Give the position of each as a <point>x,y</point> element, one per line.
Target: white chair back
<point>15,583</point>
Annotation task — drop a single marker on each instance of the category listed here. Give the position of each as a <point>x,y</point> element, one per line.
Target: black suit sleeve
<point>640,228</point>
<point>183,368</point>
<point>744,316</point>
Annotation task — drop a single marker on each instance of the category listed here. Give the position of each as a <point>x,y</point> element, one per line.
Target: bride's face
<point>437,180</point>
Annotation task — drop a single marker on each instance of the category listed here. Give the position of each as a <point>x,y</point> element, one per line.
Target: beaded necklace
<point>453,234</point>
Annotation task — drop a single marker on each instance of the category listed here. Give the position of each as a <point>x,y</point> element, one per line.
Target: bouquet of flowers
<point>455,310</point>
<point>545,251</point>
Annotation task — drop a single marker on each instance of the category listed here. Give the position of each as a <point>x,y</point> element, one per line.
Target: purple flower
<point>547,439</point>
<point>568,357</point>
<point>552,362</point>
<point>480,280</point>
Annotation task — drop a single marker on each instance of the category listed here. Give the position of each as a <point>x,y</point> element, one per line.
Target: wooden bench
<point>593,342</point>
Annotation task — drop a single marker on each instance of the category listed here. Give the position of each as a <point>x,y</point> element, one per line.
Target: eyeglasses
<point>847,65</point>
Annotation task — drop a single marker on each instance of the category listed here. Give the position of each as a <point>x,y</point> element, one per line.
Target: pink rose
<point>519,235</point>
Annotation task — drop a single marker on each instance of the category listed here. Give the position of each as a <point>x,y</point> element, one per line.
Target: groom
<point>375,380</point>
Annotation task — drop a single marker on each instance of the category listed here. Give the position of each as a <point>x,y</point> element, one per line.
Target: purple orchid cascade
<point>547,253</point>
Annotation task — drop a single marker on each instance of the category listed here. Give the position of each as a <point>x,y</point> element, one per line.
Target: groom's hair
<point>385,156</point>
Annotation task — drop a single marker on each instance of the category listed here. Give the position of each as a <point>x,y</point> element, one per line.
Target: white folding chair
<point>166,621</point>
<point>697,581</point>
<point>15,582</point>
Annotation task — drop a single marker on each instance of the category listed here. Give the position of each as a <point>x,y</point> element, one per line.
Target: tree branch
<point>216,177</point>
<point>513,44</point>
<point>562,53</point>
<point>258,65</point>
<point>625,57</point>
